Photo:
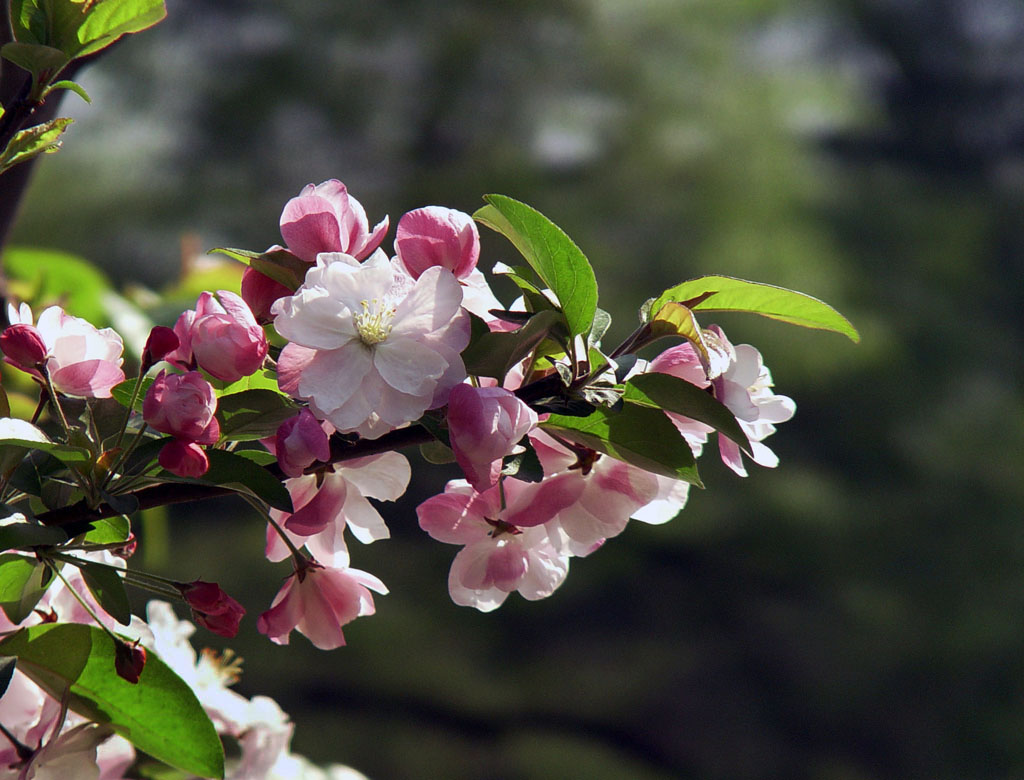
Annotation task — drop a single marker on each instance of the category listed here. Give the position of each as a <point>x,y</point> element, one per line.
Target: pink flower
<point>506,548</point>
<point>82,361</point>
<point>300,441</point>
<point>211,607</point>
<point>259,292</point>
<point>325,506</point>
<point>184,458</point>
<point>484,425</point>
<point>318,601</point>
<point>324,218</point>
<point>182,405</point>
<point>745,388</point>
<point>371,352</point>
<point>223,338</point>
<point>435,235</point>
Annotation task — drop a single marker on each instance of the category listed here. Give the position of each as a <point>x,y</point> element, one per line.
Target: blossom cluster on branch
<point>296,392</point>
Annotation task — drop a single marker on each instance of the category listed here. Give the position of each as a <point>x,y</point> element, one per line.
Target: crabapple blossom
<point>325,218</point>
<point>745,388</point>
<point>184,458</point>
<point>435,235</point>
<point>506,547</point>
<point>23,347</point>
<point>222,337</point>
<point>326,505</point>
<point>299,442</point>
<point>317,601</point>
<point>161,341</point>
<point>259,292</point>
<point>182,405</point>
<point>484,425</point>
<point>81,360</point>
<point>371,352</point>
<point>211,607</point>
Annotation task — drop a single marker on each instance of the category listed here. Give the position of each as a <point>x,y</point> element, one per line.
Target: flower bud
<point>129,660</point>
<point>211,607</point>
<point>184,458</point>
<point>299,442</point>
<point>484,425</point>
<point>259,292</point>
<point>182,405</point>
<point>162,341</point>
<point>228,343</point>
<point>435,235</point>
<point>23,347</point>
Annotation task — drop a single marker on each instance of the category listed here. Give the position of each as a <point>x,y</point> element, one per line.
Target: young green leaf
<point>253,414</point>
<point>160,714</point>
<point>122,393</point>
<point>664,391</point>
<point>33,141</point>
<point>74,86</point>
<point>550,252</point>
<point>493,354</point>
<point>640,435</point>
<point>81,28</point>
<point>740,295</point>
<point>107,587</point>
<point>23,581</point>
<point>109,530</point>
<point>43,62</point>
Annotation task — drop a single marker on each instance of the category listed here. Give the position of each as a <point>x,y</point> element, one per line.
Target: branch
<point>75,519</point>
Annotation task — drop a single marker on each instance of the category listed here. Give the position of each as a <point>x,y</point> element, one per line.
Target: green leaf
<point>33,141</point>
<point>7,666</point>
<point>23,581</point>
<point>74,86</point>
<point>50,275</point>
<point>673,394</point>
<point>79,27</point>
<point>15,536</point>
<point>122,393</point>
<point>550,252</point>
<point>253,414</point>
<point>239,473</point>
<point>107,586</point>
<point>109,530</point>
<point>280,264</point>
<point>43,62</point>
<point>19,433</point>
<point>259,457</point>
<point>776,302</point>
<point>264,379</point>
<point>160,714</point>
<point>675,319</point>
<point>636,434</point>
<point>493,354</point>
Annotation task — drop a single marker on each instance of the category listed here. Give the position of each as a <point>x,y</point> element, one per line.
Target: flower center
<point>374,323</point>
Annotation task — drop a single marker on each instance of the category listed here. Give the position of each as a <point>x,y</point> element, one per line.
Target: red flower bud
<point>161,341</point>
<point>129,659</point>
<point>212,608</point>
<point>23,347</point>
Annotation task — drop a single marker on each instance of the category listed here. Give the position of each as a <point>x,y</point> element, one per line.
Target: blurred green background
<point>856,613</point>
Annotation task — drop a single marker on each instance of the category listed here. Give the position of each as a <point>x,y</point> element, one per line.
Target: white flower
<point>371,349</point>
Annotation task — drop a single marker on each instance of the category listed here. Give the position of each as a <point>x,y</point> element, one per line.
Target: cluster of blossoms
<point>347,354</point>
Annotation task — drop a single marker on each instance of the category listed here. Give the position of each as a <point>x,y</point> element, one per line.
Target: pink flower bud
<point>324,218</point>
<point>229,343</point>
<point>129,660</point>
<point>212,608</point>
<point>299,442</point>
<point>23,347</point>
<point>161,342</point>
<point>182,405</point>
<point>435,235</point>
<point>184,458</point>
<point>259,292</point>
<point>484,425</point>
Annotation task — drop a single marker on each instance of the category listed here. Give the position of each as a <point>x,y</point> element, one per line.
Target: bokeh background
<point>857,613</point>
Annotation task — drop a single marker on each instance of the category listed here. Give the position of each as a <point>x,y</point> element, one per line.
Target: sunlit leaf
<point>494,354</point>
<point>640,435</point>
<point>550,252</point>
<point>107,587</point>
<point>776,302</point>
<point>23,581</point>
<point>81,28</point>
<point>159,714</point>
<point>32,141</point>
<point>253,414</point>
